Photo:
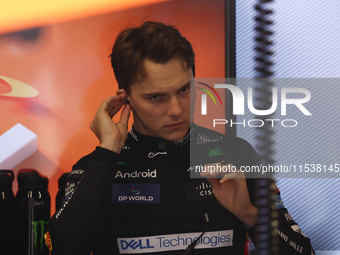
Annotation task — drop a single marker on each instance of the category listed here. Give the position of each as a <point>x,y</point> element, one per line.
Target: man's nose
<point>174,107</point>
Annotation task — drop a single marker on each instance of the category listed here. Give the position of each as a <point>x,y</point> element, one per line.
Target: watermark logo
<point>204,97</point>
<point>238,100</point>
<point>283,100</point>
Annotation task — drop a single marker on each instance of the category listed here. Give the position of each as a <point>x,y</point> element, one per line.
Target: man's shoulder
<point>99,154</point>
<point>84,161</point>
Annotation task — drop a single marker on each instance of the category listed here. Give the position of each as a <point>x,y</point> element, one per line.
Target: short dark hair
<point>152,40</point>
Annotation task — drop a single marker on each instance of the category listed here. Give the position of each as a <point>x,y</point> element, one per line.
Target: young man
<point>134,194</point>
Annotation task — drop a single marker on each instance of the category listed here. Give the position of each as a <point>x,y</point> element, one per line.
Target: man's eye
<point>155,97</point>
<point>186,89</point>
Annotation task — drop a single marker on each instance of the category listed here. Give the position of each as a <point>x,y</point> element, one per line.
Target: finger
<point>210,174</point>
<point>238,178</point>
<point>108,104</point>
<point>205,174</point>
<point>112,105</point>
<point>234,175</point>
<point>113,101</point>
<point>124,117</point>
<point>215,184</point>
<point>228,176</point>
<point>113,111</point>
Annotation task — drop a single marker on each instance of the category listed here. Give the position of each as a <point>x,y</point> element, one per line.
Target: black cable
<point>205,216</point>
<point>266,238</point>
<point>191,247</point>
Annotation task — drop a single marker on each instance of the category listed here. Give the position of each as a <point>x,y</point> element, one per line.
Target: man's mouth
<point>175,125</point>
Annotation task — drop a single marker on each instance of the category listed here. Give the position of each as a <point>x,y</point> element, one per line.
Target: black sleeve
<point>73,229</point>
<point>291,239</point>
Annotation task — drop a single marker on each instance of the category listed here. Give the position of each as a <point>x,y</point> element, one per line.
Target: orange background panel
<point>23,14</point>
<point>68,64</point>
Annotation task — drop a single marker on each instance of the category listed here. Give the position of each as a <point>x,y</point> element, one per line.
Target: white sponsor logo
<point>282,235</point>
<point>201,139</point>
<point>154,154</point>
<point>205,189</point>
<point>135,198</point>
<point>63,207</point>
<point>133,135</point>
<point>296,228</point>
<point>287,216</point>
<point>136,174</point>
<point>173,242</point>
<point>69,189</point>
<point>79,171</point>
<point>185,138</point>
<point>126,147</point>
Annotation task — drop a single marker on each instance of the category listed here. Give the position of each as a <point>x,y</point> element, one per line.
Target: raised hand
<point>110,134</point>
<point>232,193</point>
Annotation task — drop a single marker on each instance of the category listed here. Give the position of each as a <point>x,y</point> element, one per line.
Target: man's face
<point>162,100</point>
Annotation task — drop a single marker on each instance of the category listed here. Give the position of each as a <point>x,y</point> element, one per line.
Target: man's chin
<point>175,136</point>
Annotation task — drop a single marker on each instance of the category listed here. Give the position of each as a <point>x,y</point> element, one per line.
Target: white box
<point>16,144</point>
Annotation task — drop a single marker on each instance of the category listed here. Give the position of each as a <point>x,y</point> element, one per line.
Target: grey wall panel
<point>306,45</point>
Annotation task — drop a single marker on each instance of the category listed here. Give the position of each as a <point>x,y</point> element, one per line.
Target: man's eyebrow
<point>153,93</point>
<point>163,93</point>
<point>185,86</point>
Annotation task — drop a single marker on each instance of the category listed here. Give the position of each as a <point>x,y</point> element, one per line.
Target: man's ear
<point>120,91</point>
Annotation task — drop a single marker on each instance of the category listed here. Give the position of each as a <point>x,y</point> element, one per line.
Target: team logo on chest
<point>136,174</point>
<point>196,190</point>
<point>136,193</point>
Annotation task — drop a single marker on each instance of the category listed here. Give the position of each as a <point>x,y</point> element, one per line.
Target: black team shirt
<point>143,201</point>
